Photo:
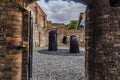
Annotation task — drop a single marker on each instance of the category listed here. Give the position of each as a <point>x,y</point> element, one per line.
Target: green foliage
<point>72,25</point>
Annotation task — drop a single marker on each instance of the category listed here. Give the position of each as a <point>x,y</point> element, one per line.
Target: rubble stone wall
<point>102,41</point>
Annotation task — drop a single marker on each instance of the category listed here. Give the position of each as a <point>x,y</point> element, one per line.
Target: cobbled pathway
<point>58,65</point>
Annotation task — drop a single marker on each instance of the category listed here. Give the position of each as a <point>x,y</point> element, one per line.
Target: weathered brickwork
<point>10,41</point>
<point>49,25</point>
<point>60,27</point>
<point>13,37</point>
<point>102,41</point>
<point>39,25</point>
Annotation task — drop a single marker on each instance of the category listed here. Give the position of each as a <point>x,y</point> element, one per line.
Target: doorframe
<point>30,44</point>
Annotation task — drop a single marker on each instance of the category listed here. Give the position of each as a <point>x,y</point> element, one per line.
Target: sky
<point>61,11</point>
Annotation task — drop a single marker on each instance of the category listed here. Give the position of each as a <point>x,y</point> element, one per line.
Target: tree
<point>72,24</point>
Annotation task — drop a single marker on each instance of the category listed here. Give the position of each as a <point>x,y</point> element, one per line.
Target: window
<point>36,13</point>
<point>44,20</point>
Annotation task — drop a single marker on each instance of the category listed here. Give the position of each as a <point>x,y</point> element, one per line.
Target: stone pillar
<point>52,40</point>
<point>102,44</point>
<point>74,47</point>
<point>10,41</point>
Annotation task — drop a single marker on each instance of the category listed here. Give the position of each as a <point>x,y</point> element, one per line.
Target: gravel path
<point>58,65</point>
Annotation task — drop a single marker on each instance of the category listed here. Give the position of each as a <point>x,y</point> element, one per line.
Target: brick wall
<point>62,31</point>
<point>80,36</point>
<point>10,40</point>
<point>39,25</point>
<point>14,35</point>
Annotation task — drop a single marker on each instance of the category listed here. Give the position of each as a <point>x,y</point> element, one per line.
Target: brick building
<point>49,25</point>
<point>63,32</point>
<point>39,25</point>
<point>81,20</point>
<point>80,34</point>
<point>60,27</point>
<point>12,57</point>
<point>15,24</point>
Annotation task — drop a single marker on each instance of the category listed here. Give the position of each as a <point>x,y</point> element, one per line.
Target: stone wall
<point>102,41</point>
<point>114,57</point>
<point>80,36</point>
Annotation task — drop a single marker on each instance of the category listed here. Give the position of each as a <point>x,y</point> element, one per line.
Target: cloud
<point>59,11</point>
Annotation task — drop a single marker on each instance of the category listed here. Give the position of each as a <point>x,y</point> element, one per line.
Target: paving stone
<point>58,65</point>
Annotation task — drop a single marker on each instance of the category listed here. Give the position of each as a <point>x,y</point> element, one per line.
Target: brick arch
<point>13,43</point>
<point>102,41</point>
<point>14,39</point>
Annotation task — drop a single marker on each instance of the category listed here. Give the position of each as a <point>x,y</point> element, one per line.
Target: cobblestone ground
<point>58,65</point>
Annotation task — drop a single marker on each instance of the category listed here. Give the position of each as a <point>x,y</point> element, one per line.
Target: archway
<point>102,40</point>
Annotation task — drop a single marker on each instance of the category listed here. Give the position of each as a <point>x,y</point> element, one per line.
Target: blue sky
<point>61,11</point>
<point>46,1</point>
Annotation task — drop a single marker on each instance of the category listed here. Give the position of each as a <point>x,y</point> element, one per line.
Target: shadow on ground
<point>60,52</point>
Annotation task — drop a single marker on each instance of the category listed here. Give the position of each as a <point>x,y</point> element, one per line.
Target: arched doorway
<point>102,46</point>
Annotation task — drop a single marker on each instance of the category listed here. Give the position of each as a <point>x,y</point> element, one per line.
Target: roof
<point>58,23</point>
<point>35,4</point>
